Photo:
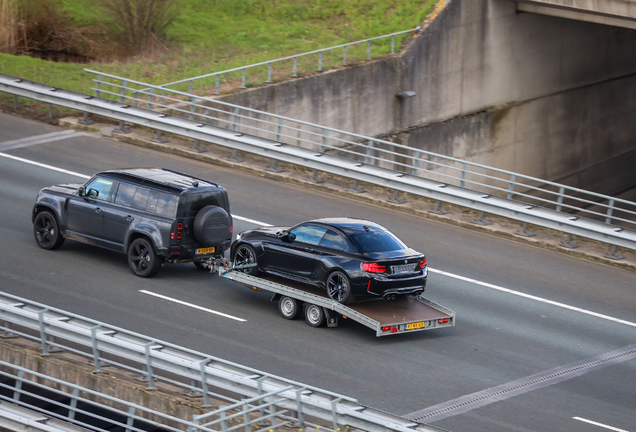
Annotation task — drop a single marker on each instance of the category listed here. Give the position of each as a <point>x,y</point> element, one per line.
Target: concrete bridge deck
<point>618,13</point>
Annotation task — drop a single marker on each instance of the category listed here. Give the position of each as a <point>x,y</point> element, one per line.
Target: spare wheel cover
<point>212,225</point>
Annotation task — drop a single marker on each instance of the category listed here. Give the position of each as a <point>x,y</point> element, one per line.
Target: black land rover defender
<point>154,215</point>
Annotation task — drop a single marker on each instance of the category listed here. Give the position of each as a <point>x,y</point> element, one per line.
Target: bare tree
<point>8,26</point>
<point>140,24</point>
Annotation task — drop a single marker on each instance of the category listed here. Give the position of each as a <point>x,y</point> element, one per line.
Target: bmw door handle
<point>129,218</point>
<point>98,210</point>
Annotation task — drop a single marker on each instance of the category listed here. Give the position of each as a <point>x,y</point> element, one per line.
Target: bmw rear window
<point>377,241</point>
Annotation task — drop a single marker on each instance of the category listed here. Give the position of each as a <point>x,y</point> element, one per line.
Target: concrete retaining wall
<point>544,96</point>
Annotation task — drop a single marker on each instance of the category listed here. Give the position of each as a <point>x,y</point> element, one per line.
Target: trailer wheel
<point>314,315</point>
<point>289,308</point>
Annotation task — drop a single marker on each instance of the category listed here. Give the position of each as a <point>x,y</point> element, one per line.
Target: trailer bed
<point>406,314</point>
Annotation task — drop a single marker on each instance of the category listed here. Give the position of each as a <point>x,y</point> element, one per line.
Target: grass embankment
<point>216,35</point>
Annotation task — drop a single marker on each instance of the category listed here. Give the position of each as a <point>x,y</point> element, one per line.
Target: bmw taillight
<point>423,263</point>
<point>373,268</point>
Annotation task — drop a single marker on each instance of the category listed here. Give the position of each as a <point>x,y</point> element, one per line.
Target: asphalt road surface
<point>522,312</point>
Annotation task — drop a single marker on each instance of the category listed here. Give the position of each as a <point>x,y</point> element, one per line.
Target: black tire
<point>245,254</point>
<point>142,258</point>
<point>289,308</point>
<point>315,315</point>
<point>339,287</point>
<point>46,231</point>
<point>212,226</point>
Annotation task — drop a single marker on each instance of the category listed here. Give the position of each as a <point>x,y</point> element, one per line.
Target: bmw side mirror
<point>291,236</point>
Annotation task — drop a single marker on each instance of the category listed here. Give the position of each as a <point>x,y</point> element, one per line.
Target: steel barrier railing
<point>320,62</point>
<point>379,162</point>
<point>197,372</point>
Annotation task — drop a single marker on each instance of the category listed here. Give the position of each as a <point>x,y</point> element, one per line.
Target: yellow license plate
<point>417,325</point>
<point>205,251</point>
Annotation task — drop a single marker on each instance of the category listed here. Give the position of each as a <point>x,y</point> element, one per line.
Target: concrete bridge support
<point>541,95</point>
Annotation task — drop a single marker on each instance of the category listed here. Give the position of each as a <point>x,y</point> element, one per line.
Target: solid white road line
<point>192,305</point>
<point>44,165</point>
<point>599,424</point>
<point>484,284</point>
<point>535,298</point>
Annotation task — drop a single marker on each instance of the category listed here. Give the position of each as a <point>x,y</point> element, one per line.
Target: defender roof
<point>160,177</point>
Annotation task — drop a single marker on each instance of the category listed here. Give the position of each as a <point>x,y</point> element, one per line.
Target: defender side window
<point>141,198</point>
<point>125,194</point>
<point>99,188</point>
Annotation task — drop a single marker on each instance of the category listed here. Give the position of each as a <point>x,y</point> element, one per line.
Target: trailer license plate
<point>415,326</point>
<point>406,268</point>
<point>204,250</point>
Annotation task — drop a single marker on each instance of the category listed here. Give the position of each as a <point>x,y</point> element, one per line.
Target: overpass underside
<point>618,13</point>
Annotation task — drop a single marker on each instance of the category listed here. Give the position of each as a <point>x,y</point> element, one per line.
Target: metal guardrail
<point>363,159</point>
<point>197,372</point>
<point>77,405</point>
<point>216,76</point>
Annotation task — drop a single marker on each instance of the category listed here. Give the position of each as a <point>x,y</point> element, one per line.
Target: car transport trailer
<point>405,314</point>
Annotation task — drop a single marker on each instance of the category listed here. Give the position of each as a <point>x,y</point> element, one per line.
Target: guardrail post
<point>151,98</point>
<point>191,82</point>
<point>45,345</point>
<point>560,200</point>
<point>569,243</point>
<point>148,366</point>
<point>272,412</point>
<point>73,405</point>
<point>243,79</point>
<point>299,408</point>
<point>223,421</point>
<point>368,50</point>
<point>525,232</point>
<point>481,219</point>
<point>324,141</point>
<point>246,418</point>
<point>356,187</point>
<point>393,44</point>
<point>511,187</point>
<point>314,177</point>
<point>613,254</point>
<point>369,152</point>
<point>85,120</point>
<point>319,61</point>
<point>50,111</point>
<point>236,118</point>
<point>295,72</point>
<point>279,129</point>
<point>96,359</point>
<point>204,384</point>
<point>18,386</point>
<point>217,91</point>
<point>395,199</point>
<point>416,163</point>
<point>259,383</point>
<point>193,104</point>
<point>122,128</point>
<point>197,147</point>
<point>15,102</point>
<point>461,182</point>
<point>610,210</point>
<point>269,73</point>
<point>438,209</point>
<point>98,90</point>
<point>123,91</point>
<point>344,55</point>
<point>131,419</point>
<point>334,412</point>
<point>274,167</point>
<point>159,138</point>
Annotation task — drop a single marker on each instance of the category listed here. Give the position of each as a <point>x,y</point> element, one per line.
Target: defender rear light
<point>373,268</point>
<point>179,235</point>
<point>179,226</point>
<point>423,263</point>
